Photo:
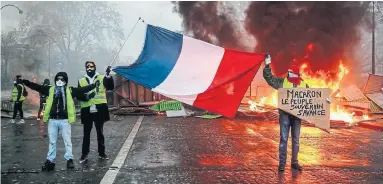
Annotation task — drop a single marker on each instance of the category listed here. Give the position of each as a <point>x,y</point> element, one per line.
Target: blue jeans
<point>53,130</point>
<point>286,121</point>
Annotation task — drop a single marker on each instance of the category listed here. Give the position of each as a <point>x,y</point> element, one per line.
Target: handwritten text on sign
<point>306,103</point>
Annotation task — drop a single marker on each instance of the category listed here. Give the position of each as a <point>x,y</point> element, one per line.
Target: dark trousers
<point>286,121</point>
<point>18,106</point>
<point>42,101</point>
<point>99,124</point>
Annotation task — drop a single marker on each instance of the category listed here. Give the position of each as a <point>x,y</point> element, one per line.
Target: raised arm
<point>108,79</point>
<point>37,87</point>
<point>108,82</point>
<point>79,92</point>
<point>274,82</point>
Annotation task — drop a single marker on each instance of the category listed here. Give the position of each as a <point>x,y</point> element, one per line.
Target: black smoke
<point>284,29</point>
<point>205,22</point>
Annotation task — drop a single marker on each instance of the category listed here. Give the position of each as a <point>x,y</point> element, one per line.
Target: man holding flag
<point>94,108</point>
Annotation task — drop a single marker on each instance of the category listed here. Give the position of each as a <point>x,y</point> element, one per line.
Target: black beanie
<point>47,82</point>
<point>62,74</point>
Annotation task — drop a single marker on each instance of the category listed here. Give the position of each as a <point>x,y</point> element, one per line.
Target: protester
<point>94,108</point>
<point>60,111</point>
<point>293,80</point>
<point>18,96</point>
<point>42,99</point>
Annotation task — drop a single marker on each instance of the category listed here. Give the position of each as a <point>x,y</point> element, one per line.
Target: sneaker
<point>48,166</point>
<point>83,158</point>
<point>281,167</point>
<point>38,119</point>
<point>70,164</point>
<point>296,166</point>
<point>104,157</point>
<point>21,121</point>
<point>12,121</point>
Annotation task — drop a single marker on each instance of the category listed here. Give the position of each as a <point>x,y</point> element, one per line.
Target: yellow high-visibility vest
<point>100,97</point>
<point>288,84</point>
<point>71,109</point>
<point>15,92</point>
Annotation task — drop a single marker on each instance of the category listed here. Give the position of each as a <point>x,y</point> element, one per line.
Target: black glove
<point>89,96</point>
<point>108,70</point>
<point>97,83</point>
<point>26,82</point>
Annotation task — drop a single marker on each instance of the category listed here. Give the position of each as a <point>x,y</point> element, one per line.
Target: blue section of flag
<point>157,59</point>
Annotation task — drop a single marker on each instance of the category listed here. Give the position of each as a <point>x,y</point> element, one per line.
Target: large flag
<point>192,71</point>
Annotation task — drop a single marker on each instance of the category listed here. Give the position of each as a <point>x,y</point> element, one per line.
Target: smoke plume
<point>206,22</point>
<point>318,33</point>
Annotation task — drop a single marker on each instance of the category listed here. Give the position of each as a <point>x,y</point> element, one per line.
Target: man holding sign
<point>293,80</point>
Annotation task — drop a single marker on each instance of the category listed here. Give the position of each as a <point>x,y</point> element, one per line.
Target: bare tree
<point>8,42</point>
<point>75,28</point>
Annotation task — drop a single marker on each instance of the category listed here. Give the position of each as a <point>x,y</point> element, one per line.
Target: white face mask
<point>60,83</point>
<point>292,75</point>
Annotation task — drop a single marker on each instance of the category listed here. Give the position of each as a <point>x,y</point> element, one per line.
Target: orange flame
<point>319,79</point>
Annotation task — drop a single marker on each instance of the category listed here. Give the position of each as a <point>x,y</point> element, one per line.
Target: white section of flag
<point>195,68</point>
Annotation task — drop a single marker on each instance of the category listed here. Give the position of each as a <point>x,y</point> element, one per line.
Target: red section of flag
<point>234,75</point>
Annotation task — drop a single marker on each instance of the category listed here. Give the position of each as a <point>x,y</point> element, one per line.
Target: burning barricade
<point>349,104</point>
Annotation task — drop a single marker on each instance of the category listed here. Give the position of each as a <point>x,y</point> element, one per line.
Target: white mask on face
<point>60,83</point>
<point>292,75</point>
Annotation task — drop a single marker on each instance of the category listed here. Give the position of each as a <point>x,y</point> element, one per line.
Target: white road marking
<point>111,174</point>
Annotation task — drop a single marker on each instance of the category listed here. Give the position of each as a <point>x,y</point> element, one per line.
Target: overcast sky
<point>157,13</point>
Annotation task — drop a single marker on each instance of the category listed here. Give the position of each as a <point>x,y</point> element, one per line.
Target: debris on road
<point>350,105</point>
<point>209,116</point>
<point>171,105</point>
<point>172,108</point>
<point>135,111</point>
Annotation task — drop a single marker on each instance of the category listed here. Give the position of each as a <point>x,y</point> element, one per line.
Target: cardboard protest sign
<point>307,104</point>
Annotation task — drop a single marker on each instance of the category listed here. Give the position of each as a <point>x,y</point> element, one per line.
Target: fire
<point>310,47</point>
<point>319,79</point>
<point>322,79</point>
<point>253,105</point>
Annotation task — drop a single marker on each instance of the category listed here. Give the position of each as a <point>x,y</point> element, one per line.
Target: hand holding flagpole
<point>110,65</point>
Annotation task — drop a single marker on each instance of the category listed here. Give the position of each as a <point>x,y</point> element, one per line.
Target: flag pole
<point>125,41</point>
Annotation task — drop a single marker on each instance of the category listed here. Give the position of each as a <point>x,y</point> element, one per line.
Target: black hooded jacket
<point>58,110</point>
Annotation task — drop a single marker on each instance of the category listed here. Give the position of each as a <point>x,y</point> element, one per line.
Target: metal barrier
<point>7,105</point>
<point>127,92</point>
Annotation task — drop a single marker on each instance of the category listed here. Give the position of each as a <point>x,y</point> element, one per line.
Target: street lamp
<point>20,11</point>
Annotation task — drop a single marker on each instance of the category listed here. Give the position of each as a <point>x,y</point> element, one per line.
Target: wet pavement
<point>192,150</point>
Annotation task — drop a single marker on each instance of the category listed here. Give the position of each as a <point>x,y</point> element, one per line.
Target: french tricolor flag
<point>192,71</point>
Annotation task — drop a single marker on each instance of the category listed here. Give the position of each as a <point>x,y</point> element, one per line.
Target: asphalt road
<point>192,150</point>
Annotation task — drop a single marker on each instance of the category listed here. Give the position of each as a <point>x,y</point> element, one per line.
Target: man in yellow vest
<point>18,96</point>
<point>60,112</point>
<point>94,108</point>
<point>293,80</point>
